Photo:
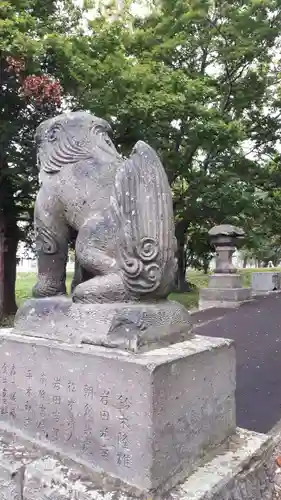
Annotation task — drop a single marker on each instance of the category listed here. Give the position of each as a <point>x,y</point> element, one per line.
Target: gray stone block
<point>14,456</point>
<point>265,281</point>
<point>53,478</point>
<point>142,418</point>
<point>242,470</point>
<point>227,297</point>
<point>225,281</point>
<point>131,326</point>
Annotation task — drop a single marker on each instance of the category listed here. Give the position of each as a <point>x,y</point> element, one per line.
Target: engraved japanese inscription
<point>76,410</point>
<point>54,405</point>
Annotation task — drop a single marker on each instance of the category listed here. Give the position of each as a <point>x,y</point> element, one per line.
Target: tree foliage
<point>30,31</point>
<point>196,79</point>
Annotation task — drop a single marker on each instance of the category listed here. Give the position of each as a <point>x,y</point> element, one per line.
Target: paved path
<point>256,329</point>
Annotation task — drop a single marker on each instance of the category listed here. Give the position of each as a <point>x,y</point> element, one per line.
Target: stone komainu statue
<point>120,211</point>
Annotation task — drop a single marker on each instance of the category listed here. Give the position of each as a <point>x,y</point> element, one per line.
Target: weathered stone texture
<point>138,417</point>
<point>136,326</point>
<point>14,456</point>
<point>243,470</point>
<point>120,209</point>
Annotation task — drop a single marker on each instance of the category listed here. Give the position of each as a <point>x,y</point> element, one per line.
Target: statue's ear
<point>102,127</point>
<point>39,133</point>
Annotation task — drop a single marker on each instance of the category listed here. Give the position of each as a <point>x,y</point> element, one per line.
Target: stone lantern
<point>225,238</point>
<point>225,287</point>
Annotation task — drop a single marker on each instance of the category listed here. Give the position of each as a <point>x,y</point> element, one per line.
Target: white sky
<point>138,7</point>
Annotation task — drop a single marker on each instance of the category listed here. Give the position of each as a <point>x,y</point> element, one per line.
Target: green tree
<point>30,33</point>
<point>197,80</point>
<point>263,242</point>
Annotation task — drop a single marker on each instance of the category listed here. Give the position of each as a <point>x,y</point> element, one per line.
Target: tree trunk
<point>181,255</point>
<point>1,268</point>
<point>11,239</point>
<point>181,273</point>
<point>10,273</point>
<point>206,264</point>
<point>245,262</point>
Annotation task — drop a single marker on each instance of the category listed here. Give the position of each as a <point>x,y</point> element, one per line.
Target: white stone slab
<point>265,281</point>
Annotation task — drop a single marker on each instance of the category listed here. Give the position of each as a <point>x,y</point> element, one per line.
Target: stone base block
<point>265,281</point>
<point>145,419</point>
<point>133,326</point>
<point>245,471</point>
<point>227,297</point>
<point>223,281</point>
<point>15,455</point>
<point>242,470</point>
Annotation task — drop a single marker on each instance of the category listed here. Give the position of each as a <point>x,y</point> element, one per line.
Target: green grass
<point>25,282</point>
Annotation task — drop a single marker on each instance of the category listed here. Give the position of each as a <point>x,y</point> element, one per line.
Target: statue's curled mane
<point>143,206</point>
<point>60,146</point>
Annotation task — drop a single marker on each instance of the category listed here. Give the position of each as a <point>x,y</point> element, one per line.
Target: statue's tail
<point>144,209</point>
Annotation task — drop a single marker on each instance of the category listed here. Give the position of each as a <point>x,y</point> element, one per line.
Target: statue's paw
<point>101,289</point>
<point>39,291</point>
<point>48,289</point>
<point>82,293</point>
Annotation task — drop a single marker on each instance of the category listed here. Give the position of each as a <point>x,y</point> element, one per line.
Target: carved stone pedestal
<point>111,424</point>
<point>146,419</point>
<point>133,326</point>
